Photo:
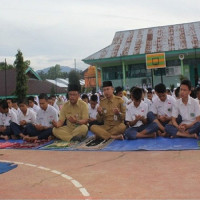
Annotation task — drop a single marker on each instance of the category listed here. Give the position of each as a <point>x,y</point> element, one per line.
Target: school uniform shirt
<point>159,107</point>
<point>29,117</point>
<point>198,100</point>
<point>188,112</point>
<point>45,117</point>
<point>126,100</point>
<point>148,102</point>
<point>56,106</point>
<point>35,108</point>
<point>93,112</point>
<point>17,112</point>
<point>7,118</point>
<point>131,111</point>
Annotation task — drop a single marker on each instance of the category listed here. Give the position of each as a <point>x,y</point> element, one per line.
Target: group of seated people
<point>108,116</point>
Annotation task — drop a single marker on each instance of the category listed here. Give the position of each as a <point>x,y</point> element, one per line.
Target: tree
<point>74,78</point>
<point>21,79</point>
<point>8,66</point>
<point>52,92</point>
<point>43,75</point>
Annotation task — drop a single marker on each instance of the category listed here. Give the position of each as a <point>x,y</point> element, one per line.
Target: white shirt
<point>93,112</point>
<point>163,108</point>
<point>131,111</point>
<point>29,117</point>
<point>148,102</point>
<point>45,117</point>
<point>16,111</point>
<point>188,112</point>
<point>7,118</point>
<point>35,108</point>
<point>56,106</point>
<point>126,100</point>
<point>198,100</point>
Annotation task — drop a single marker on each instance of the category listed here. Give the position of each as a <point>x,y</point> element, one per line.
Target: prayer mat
<point>31,145</point>
<point>5,167</point>
<point>61,145</point>
<point>94,144</point>
<point>4,145</point>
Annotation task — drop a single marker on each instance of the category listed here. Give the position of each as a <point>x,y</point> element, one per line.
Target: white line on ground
<point>67,177</point>
<point>30,165</point>
<point>76,183</point>
<point>56,172</point>
<point>44,168</point>
<point>83,191</point>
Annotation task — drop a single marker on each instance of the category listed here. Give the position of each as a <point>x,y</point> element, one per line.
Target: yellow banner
<point>156,60</point>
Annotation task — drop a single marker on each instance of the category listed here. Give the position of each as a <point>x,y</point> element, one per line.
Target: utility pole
<point>5,79</point>
<point>75,64</point>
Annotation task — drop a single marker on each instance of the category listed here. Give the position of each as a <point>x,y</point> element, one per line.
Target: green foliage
<point>52,92</point>
<point>21,79</point>
<point>53,73</point>
<point>74,78</point>
<point>8,66</point>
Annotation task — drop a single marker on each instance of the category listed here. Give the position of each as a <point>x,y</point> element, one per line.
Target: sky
<point>50,32</point>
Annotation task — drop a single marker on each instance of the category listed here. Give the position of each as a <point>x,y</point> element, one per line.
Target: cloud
<point>52,32</point>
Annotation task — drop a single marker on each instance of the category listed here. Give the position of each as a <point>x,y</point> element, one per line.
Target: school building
<point>35,84</point>
<point>124,61</point>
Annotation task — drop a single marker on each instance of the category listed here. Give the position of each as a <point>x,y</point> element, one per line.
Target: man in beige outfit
<point>75,112</point>
<point>112,112</point>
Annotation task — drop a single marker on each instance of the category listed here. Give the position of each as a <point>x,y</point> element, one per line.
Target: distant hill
<point>63,69</point>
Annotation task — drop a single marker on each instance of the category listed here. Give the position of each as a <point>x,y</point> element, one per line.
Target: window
<point>112,73</point>
<point>138,70</point>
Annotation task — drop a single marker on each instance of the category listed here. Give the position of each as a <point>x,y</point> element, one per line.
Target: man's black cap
<point>73,87</point>
<point>107,84</point>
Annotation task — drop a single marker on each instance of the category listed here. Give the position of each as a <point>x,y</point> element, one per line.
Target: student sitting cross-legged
<point>45,116</point>
<point>93,111</point>
<point>188,109</point>
<point>26,116</point>
<point>6,117</point>
<point>136,115</point>
<point>161,109</point>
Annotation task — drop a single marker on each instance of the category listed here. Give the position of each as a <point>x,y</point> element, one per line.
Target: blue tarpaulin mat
<point>5,166</point>
<point>147,144</point>
<point>157,144</point>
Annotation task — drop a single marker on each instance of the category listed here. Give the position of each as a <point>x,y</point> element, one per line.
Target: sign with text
<point>156,60</point>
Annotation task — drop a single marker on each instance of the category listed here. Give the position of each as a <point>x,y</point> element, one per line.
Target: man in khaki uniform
<point>112,112</point>
<point>75,112</point>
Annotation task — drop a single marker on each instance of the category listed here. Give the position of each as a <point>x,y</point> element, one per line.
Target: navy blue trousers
<point>131,133</point>
<point>7,131</point>
<point>172,130</point>
<point>32,131</point>
<point>17,129</point>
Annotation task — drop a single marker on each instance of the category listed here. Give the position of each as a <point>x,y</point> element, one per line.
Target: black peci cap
<point>107,84</point>
<point>73,87</point>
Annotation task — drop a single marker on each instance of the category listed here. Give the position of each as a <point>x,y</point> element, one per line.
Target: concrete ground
<point>101,175</point>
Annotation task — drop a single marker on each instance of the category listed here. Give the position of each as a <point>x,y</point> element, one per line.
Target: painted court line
<point>44,168</point>
<point>67,177</point>
<point>56,172</point>
<point>77,184</point>
<point>82,190</point>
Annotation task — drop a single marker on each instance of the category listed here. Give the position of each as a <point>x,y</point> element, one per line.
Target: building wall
<point>138,75</point>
